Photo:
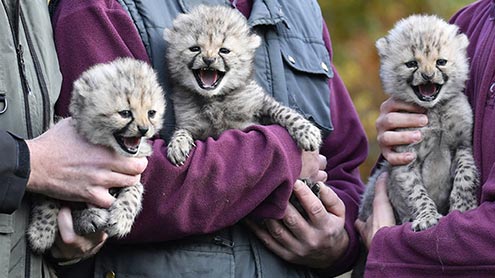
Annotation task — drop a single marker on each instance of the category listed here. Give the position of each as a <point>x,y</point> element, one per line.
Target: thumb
<point>65,225</point>
<point>381,197</point>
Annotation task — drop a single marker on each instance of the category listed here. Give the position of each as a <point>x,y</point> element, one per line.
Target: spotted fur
<point>119,105</point>
<point>424,62</point>
<point>210,54</point>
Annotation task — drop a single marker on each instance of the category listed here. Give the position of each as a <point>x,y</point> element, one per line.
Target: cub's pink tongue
<point>132,142</point>
<point>208,77</point>
<point>428,89</point>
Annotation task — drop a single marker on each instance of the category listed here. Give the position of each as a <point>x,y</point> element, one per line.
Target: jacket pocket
<point>307,69</point>
<point>6,230</point>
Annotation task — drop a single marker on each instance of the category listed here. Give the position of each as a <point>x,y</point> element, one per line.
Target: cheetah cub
<point>119,105</point>
<point>211,61</point>
<point>424,62</point>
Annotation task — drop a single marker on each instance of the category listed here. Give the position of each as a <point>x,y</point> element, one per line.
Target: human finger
<point>310,164</point>
<point>381,202</point>
<point>394,138</point>
<point>332,202</point>
<point>109,179</point>
<point>320,176</point>
<point>69,245</point>
<point>395,105</point>
<point>131,166</point>
<point>100,197</point>
<point>282,233</point>
<point>267,239</point>
<point>395,158</point>
<point>313,206</point>
<point>394,120</point>
<point>322,162</point>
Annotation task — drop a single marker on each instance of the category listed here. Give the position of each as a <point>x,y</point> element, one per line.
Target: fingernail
<point>417,136</point>
<point>423,120</point>
<point>410,156</point>
<point>297,185</point>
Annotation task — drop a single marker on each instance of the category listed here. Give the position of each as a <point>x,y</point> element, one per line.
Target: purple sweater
<point>242,173</point>
<point>462,244</point>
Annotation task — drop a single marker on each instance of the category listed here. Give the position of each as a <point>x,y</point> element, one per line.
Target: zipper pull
<point>223,241</point>
<point>3,99</point>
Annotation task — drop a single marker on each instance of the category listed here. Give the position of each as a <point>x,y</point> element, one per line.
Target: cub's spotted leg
<point>306,135</point>
<point>43,226</point>
<point>124,210</point>
<point>180,146</point>
<point>406,182</point>
<point>464,191</point>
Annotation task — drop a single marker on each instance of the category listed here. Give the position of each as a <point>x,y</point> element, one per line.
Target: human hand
<point>397,114</point>
<point>317,242</point>
<point>313,166</point>
<point>382,216</point>
<point>69,246</point>
<point>65,166</point>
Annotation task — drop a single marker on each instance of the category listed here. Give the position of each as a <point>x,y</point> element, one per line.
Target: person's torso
<point>292,65</point>
<point>25,110</point>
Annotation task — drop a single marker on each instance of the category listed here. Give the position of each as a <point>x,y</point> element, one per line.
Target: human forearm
<point>223,181</point>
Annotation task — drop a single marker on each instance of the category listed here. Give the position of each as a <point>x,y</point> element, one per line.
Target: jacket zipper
<point>26,89</point>
<point>39,74</point>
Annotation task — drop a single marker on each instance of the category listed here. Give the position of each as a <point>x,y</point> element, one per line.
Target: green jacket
<point>26,110</point>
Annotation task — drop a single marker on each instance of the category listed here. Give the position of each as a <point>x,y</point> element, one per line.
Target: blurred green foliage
<point>354,27</point>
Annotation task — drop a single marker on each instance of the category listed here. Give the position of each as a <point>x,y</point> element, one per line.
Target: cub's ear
<point>254,41</point>
<point>463,40</point>
<point>382,46</point>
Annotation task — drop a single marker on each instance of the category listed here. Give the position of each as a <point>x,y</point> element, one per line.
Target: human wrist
<point>34,155</point>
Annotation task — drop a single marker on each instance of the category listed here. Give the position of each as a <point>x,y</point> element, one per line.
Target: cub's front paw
<point>120,224</point>
<point>308,138</point>
<point>90,220</point>
<point>179,147</point>
<point>426,221</point>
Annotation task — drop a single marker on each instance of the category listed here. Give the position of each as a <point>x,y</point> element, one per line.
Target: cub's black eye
<point>194,49</point>
<point>125,113</point>
<point>441,62</point>
<point>411,64</point>
<point>151,113</point>
<point>224,50</point>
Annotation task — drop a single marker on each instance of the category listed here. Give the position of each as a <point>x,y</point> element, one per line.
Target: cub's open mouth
<point>208,78</point>
<point>128,144</point>
<point>427,91</point>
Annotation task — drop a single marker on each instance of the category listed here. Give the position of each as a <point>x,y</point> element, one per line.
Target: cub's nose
<point>143,130</point>
<point>208,60</point>
<point>427,77</point>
